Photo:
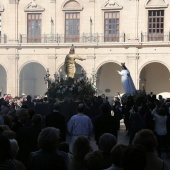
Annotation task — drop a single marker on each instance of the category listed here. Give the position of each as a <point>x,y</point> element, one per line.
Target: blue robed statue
<point>127,81</point>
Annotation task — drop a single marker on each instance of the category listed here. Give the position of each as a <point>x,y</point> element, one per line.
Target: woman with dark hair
<point>80,149</point>
<point>117,156</point>
<point>48,157</point>
<point>134,158</point>
<point>106,142</point>
<point>6,160</point>
<point>94,160</point>
<point>147,139</point>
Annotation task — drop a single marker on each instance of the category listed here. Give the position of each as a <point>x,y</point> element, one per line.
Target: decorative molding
<point>72,5</point>
<point>111,5</point>
<point>13,1</point>
<point>1,7</point>
<point>156,4</point>
<point>33,7</point>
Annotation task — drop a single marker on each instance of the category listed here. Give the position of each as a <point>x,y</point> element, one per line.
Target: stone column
<point>132,66</point>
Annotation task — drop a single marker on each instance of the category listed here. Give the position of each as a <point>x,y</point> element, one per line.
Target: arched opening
<point>108,80</point>
<point>32,80</point>
<point>154,77</point>
<point>77,75</point>
<point>3,80</point>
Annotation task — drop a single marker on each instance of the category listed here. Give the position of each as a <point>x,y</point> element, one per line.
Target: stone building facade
<point>37,34</point>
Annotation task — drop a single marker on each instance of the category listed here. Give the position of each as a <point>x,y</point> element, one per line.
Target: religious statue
<point>126,79</point>
<point>69,64</point>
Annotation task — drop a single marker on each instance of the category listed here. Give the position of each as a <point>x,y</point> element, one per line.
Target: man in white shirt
<point>79,124</point>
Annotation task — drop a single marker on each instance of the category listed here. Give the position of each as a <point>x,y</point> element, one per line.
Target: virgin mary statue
<point>127,81</point>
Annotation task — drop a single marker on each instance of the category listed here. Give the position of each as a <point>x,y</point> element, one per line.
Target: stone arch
<point>31,79</point>
<point>104,62</point>
<point>31,61</point>
<point>78,64</point>
<point>154,76</point>
<point>108,80</point>
<point>72,5</point>
<point>157,61</point>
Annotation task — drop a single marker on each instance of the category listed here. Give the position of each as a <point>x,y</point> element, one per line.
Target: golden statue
<point>69,64</point>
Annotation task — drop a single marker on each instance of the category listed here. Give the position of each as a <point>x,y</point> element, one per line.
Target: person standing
<point>79,124</point>
<point>48,156</point>
<point>160,117</point>
<point>105,123</point>
<point>57,120</point>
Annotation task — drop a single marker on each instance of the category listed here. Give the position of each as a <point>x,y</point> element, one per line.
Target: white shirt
<point>160,123</point>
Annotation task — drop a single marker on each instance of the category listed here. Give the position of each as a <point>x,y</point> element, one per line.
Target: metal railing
<point>3,38</point>
<point>87,38</point>
<point>61,38</point>
<point>145,37</point>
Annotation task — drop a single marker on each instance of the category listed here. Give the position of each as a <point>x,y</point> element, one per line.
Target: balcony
<point>88,38</point>
<point>61,38</point>
<point>145,37</point>
<point>3,38</point>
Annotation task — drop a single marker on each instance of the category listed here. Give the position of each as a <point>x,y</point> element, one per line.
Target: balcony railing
<point>3,38</point>
<point>145,37</point>
<point>60,38</point>
<point>87,38</point>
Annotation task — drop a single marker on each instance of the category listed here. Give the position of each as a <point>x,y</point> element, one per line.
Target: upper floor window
<point>156,25</point>
<point>72,27</point>
<point>111,26</point>
<point>34,28</point>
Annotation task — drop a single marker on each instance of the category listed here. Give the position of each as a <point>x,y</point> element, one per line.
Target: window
<point>72,27</point>
<point>34,28</point>
<point>156,25</point>
<point>111,26</point>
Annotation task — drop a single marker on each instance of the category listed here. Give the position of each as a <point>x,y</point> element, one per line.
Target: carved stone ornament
<point>1,7</point>
<point>111,4</point>
<point>72,5</point>
<point>34,7</point>
<point>156,4</point>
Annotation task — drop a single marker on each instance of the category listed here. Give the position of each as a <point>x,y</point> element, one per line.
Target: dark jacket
<point>105,123</point>
<point>41,160</point>
<point>57,120</point>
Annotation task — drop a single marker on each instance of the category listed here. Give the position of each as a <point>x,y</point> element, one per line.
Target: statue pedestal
<point>69,81</point>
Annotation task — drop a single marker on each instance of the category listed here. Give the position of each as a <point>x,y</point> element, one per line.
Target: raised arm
<point>79,58</point>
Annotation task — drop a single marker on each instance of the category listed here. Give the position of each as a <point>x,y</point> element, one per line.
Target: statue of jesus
<point>69,64</point>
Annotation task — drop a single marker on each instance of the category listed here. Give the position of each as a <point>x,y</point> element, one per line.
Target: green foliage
<point>81,88</point>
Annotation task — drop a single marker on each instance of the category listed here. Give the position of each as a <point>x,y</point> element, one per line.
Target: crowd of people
<point>33,133</point>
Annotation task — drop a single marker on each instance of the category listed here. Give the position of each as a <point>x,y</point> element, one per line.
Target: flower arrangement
<point>80,88</point>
